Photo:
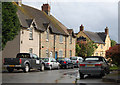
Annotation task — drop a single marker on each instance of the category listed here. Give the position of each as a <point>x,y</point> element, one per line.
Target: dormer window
<point>31,33</point>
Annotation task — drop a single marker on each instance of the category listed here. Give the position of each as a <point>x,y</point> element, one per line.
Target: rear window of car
<point>45,59</point>
<point>59,59</point>
<point>23,55</point>
<point>73,58</point>
<point>93,59</point>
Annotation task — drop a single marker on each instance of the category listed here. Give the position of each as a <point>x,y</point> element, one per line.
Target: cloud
<point>95,16</point>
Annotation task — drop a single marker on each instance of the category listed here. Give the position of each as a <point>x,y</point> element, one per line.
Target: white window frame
<point>47,53</point>
<point>61,38</point>
<point>70,53</point>
<point>30,33</point>
<point>60,53</point>
<point>96,53</point>
<point>30,50</point>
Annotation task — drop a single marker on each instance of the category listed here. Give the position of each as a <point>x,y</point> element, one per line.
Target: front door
<point>56,55</point>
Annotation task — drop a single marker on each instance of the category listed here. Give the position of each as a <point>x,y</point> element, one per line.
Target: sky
<point>95,15</point>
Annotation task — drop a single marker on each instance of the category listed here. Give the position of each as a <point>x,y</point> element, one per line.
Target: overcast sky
<point>95,15</point>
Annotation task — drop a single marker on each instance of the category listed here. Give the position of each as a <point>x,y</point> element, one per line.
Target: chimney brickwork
<point>46,8</point>
<point>81,27</point>
<point>106,31</point>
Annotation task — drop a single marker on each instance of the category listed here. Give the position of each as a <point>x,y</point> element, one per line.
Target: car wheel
<point>42,67</point>
<point>10,70</point>
<point>58,67</point>
<point>102,74</point>
<point>27,68</point>
<point>50,68</point>
<point>81,76</point>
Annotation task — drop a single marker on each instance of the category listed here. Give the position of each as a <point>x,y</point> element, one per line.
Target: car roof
<point>94,57</point>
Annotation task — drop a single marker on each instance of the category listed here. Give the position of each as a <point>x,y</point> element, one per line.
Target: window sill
<point>30,39</point>
<point>47,40</point>
<point>61,43</point>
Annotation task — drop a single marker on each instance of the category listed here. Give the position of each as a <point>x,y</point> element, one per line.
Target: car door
<point>55,63</point>
<point>35,61</point>
<point>106,64</point>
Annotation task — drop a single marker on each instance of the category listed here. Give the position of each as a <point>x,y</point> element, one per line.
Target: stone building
<point>41,33</point>
<point>102,40</point>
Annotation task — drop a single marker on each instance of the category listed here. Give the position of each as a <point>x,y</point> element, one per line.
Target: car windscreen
<point>73,58</point>
<point>45,59</point>
<point>23,55</point>
<point>93,59</point>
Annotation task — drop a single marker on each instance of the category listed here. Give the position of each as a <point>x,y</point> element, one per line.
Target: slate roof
<point>102,35</point>
<point>27,14</point>
<point>96,37</point>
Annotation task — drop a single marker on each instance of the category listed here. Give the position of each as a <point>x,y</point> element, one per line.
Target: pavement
<point>114,76</point>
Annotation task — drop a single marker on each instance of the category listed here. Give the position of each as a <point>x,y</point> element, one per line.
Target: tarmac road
<point>51,76</point>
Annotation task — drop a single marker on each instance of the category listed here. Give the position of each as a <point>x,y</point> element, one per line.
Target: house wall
<point>26,44</point>
<point>12,48</point>
<point>106,46</point>
<point>71,46</point>
<point>101,50</point>
<point>47,44</point>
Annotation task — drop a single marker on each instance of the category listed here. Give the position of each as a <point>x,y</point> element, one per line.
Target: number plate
<point>90,65</point>
<point>11,65</point>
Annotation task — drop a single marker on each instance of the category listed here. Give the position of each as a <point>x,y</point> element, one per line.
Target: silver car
<point>51,63</point>
<point>93,65</point>
<point>76,60</point>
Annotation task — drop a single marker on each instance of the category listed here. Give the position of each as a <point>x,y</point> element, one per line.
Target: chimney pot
<point>81,27</point>
<point>106,30</point>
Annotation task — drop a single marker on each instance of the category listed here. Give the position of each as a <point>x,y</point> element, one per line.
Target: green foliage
<point>10,22</point>
<point>113,43</point>
<point>116,59</point>
<point>77,49</point>
<point>85,49</point>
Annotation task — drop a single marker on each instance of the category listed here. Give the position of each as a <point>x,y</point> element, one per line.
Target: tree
<point>85,49</point>
<point>113,43</point>
<point>114,54</point>
<point>10,22</point>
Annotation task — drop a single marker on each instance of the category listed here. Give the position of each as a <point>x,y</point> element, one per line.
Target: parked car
<point>65,62</point>
<point>76,60</point>
<point>24,61</point>
<point>93,65</point>
<point>51,63</point>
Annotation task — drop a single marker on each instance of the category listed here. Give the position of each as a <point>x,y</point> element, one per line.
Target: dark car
<point>93,65</point>
<point>24,61</point>
<point>65,62</point>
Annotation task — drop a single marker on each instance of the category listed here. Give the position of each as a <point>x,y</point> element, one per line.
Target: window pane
<point>61,38</point>
<point>30,50</point>
<point>60,53</point>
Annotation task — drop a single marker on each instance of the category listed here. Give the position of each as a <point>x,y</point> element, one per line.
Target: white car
<point>76,60</point>
<point>51,63</point>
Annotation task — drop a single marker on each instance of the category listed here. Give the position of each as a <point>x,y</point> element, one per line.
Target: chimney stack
<point>106,31</point>
<point>46,8</point>
<point>81,27</point>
